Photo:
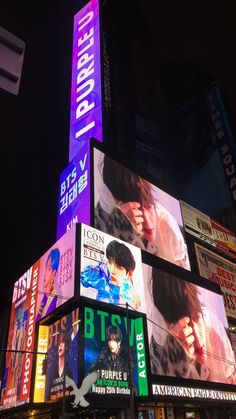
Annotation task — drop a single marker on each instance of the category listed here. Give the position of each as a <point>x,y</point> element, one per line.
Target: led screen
<point>43,288</point>
<point>111,270</point>
<point>56,277</point>
<point>86,105</point>
<point>221,271</point>
<point>74,193</point>
<point>18,364</point>
<point>188,331</point>
<point>132,209</point>
<point>61,361</point>
<point>40,377</point>
<point>106,355</point>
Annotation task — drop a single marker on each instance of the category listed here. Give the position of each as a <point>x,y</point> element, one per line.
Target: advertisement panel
<point>221,271</point>
<point>56,278</point>
<point>19,359</point>
<point>40,378</point>
<point>74,193</point>
<point>134,210</point>
<point>111,270</point>
<point>61,361</point>
<point>188,330</point>
<point>106,356</point>
<point>86,103</point>
<point>193,393</point>
<point>211,232</point>
<point>224,137</point>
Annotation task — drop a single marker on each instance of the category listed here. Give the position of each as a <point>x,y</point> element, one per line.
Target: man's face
<point>118,273</point>
<point>61,348</point>
<point>49,275</point>
<point>114,346</point>
<point>149,223</point>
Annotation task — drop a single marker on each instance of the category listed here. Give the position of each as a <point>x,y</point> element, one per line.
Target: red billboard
<point>44,287</point>
<point>219,270</point>
<point>208,230</point>
<point>19,359</point>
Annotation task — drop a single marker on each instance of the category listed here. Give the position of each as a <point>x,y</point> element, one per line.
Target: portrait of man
<point>113,360</point>
<point>50,296</point>
<point>130,208</point>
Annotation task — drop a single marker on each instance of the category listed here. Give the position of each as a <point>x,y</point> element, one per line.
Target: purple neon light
<point>86,102</point>
<point>74,193</point>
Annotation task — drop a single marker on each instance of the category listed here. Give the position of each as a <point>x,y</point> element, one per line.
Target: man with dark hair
<point>121,255</point>
<point>113,357</point>
<point>49,300</point>
<point>196,343</point>
<point>113,279</point>
<point>63,348</point>
<point>128,210</point>
<point>60,369</point>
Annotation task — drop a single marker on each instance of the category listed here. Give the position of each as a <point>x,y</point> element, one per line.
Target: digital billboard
<point>188,330</point>
<point>134,210</point>
<point>208,230</point>
<point>61,340</point>
<point>108,368</point>
<point>74,192</point>
<point>56,277</point>
<point>16,380</point>
<point>224,137</point>
<point>221,271</point>
<point>111,270</point>
<point>86,102</point>
<point>40,377</point>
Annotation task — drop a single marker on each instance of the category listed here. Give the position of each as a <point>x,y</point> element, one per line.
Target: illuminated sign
<point>56,279</point>
<point>61,340</point>
<point>193,393</point>
<point>221,271</point>
<point>111,270</point>
<point>204,228</point>
<point>136,211</point>
<point>18,365</point>
<point>40,377</point>
<point>86,104</point>
<point>187,330</point>
<point>107,363</point>
<point>224,137</point>
<point>74,193</point>
<point>43,288</point>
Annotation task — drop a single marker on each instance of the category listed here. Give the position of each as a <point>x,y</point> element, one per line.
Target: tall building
<point>135,307</point>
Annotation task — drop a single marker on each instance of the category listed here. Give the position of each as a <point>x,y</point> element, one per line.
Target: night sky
<point>34,132</point>
<point>35,124</point>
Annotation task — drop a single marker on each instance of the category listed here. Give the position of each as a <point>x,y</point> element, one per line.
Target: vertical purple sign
<point>86,102</point>
<point>74,192</point>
